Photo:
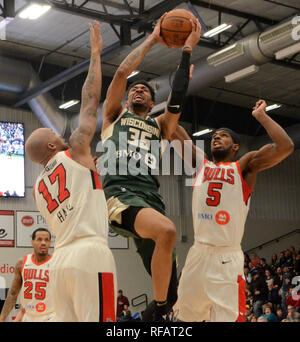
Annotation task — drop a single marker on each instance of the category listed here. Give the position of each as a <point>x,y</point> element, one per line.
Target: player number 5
<point>214,196</point>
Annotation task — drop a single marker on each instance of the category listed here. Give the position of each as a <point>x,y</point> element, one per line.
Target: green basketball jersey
<point>132,152</point>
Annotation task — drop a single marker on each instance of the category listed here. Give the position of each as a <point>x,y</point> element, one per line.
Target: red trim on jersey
<point>23,264</point>
<point>247,191</point>
<point>107,296</point>
<point>204,162</point>
<point>227,163</point>
<point>96,180</point>
<point>38,264</point>
<point>68,154</point>
<point>242,299</point>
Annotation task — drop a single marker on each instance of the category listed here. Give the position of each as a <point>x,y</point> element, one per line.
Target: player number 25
<point>40,291</point>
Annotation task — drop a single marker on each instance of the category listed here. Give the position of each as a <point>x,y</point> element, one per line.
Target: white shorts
<point>212,285</point>
<point>39,318</point>
<point>83,282</point>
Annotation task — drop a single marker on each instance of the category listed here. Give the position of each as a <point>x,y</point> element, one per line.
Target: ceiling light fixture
<point>204,131</point>
<point>68,104</point>
<point>135,72</point>
<point>226,54</point>
<point>289,51</point>
<point>34,11</point>
<point>271,107</point>
<point>252,69</point>
<point>217,30</point>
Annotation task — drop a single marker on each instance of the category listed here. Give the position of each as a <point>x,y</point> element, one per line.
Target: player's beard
<point>220,154</point>
<point>139,106</point>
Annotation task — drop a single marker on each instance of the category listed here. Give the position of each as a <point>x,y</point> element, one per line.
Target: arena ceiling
<point>57,45</point>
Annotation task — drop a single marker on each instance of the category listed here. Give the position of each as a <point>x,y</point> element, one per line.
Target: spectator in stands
<point>253,318</point>
<point>264,266</point>
<point>286,281</point>
<point>248,311</point>
<point>289,260</point>
<point>280,314</point>
<point>252,268</point>
<point>259,290</point>
<point>254,259</point>
<point>293,252</point>
<point>125,315</point>
<point>247,275</point>
<point>121,301</point>
<point>249,296</point>
<point>291,299</point>
<point>269,315</point>
<point>281,259</point>
<point>274,262</point>
<point>277,283</point>
<point>273,295</point>
<point>246,260</point>
<point>269,277</point>
<point>292,315</point>
<point>261,319</point>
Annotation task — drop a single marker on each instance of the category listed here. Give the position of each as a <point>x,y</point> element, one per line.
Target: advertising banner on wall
<point>7,236</point>
<point>28,221</point>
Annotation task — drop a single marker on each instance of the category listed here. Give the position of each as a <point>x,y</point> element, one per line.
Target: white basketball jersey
<point>35,286</point>
<point>220,204</point>
<point>71,199</point>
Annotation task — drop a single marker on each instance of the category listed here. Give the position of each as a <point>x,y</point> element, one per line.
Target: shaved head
<point>42,144</point>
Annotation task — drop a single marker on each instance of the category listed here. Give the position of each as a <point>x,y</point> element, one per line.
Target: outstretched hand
<point>259,109</point>
<point>194,37</point>
<point>95,38</point>
<point>156,34</point>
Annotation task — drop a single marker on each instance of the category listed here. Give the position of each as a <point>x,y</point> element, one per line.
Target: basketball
<point>176,27</point>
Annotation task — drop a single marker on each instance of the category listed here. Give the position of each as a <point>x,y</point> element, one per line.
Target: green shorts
<point>119,198</point>
<point>119,201</point>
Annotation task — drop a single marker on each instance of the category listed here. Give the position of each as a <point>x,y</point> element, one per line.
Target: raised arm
<point>113,103</point>
<point>13,293</point>
<point>169,119</point>
<point>268,155</point>
<point>90,97</point>
<point>191,154</point>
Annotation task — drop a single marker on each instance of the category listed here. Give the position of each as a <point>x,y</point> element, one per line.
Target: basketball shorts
<point>39,318</point>
<point>124,203</point>
<point>83,282</point>
<point>119,198</point>
<point>212,285</point>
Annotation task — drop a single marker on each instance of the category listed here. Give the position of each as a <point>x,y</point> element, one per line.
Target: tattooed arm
<point>91,93</point>
<point>113,104</point>
<point>13,293</point>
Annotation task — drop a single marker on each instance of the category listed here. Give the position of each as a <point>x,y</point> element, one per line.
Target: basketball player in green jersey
<point>134,206</point>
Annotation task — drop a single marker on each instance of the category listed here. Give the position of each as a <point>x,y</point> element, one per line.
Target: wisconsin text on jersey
<point>141,125</point>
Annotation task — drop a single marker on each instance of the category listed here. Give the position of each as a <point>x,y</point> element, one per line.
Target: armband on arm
<point>180,84</point>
